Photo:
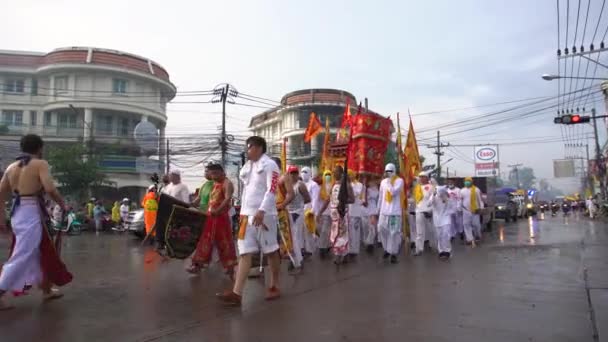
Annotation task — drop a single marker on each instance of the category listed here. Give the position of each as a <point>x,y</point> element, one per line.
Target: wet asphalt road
<point>530,281</point>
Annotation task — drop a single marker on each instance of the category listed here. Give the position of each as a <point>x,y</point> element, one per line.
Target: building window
<point>61,84</point>
<point>119,86</point>
<point>33,118</point>
<point>14,86</point>
<point>47,118</point>
<point>12,117</point>
<point>124,127</point>
<point>67,121</point>
<point>34,88</point>
<point>104,125</point>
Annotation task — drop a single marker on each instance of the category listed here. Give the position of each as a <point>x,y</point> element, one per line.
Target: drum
<point>165,208</point>
<point>183,231</point>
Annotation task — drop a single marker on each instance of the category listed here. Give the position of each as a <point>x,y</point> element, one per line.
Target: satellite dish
<point>146,136</point>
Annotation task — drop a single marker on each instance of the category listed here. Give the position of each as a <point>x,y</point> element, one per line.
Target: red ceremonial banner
<point>370,137</point>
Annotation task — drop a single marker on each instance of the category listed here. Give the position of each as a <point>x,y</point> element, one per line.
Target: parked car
<point>135,223</point>
<point>505,208</point>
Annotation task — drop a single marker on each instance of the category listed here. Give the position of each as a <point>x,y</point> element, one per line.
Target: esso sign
<point>486,154</point>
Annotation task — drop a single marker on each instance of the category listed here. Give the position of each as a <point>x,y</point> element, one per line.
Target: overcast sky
<point>417,55</point>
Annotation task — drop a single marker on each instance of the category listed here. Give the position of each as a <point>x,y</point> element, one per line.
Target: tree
<point>75,171</point>
<point>525,176</point>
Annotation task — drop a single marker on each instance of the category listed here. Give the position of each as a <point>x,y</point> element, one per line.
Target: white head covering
<point>306,173</point>
<point>390,167</point>
<point>176,172</point>
<point>423,174</point>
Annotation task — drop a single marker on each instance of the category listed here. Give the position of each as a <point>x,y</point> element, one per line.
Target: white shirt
<point>260,181</point>
<point>443,208</point>
<point>454,195</point>
<point>179,191</point>
<point>315,201</point>
<point>124,211</point>
<point>329,188</point>
<point>465,199</point>
<point>394,207</point>
<point>372,200</point>
<point>426,204</point>
<point>357,209</point>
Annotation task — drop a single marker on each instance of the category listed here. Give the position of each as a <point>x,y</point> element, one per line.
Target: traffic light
<point>571,119</point>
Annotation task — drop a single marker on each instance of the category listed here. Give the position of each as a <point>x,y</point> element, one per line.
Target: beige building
<point>82,94</point>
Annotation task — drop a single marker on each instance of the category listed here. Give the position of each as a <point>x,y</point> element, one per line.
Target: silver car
<point>135,223</point>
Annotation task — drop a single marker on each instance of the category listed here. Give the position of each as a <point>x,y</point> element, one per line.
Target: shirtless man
<point>34,260</point>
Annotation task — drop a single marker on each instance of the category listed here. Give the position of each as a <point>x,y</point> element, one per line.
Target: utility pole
<point>223,143</point>
<point>438,152</point>
<point>589,181</point>
<point>598,155</point>
<point>167,160</point>
<point>515,167</point>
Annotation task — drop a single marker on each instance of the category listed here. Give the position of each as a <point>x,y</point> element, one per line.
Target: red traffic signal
<point>571,119</point>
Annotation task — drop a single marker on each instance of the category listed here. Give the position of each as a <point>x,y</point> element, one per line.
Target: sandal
<point>52,295</point>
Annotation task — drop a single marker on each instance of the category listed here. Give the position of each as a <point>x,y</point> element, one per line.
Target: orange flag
<point>314,127</point>
<point>325,163</point>
<point>412,157</point>
<point>346,117</point>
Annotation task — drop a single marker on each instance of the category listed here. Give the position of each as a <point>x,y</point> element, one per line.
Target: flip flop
<point>52,296</point>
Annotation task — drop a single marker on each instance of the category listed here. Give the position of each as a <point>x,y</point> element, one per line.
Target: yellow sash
<point>473,199</point>
<point>418,194</point>
<point>388,197</point>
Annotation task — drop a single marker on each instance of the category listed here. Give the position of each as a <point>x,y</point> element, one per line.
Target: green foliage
<point>526,178</point>
<point>75,171</point>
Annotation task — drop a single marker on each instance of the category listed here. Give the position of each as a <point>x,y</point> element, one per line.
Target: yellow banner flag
<point>325,163</point>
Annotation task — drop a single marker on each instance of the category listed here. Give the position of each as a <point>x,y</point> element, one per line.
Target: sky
<point>421,56</point>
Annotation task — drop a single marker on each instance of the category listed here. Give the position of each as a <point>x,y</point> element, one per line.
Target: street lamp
<point>548,77</point>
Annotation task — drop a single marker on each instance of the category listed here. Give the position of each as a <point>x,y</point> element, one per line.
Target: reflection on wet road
<point>525,282</point>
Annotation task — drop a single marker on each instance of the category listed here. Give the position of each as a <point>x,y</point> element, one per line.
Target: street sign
<point>563,168</point>
<point>486,161</point>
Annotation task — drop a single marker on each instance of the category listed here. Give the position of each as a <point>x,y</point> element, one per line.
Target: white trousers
<point>297,232</point>
<point>472,225</point>
<point>390,232</point>
<point>412,221</point>
<point>423,226</point>
<point>23,267</point>
<point>444,236</point>
<point>456,226</point>
<point>310,240</point>
<point>324,229</point>
<point>355,227</point>
<point>369,231</point>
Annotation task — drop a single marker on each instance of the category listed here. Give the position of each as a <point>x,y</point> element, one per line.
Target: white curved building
<point>82,94</point>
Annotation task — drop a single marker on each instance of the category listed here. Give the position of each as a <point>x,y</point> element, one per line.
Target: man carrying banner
<point>390,229</point>
<point>218,230</point>
<point>324,219</point>
<point>258,224</point>
<point>370,221</point>
<point>311,211</point>
<point>424,216</point>
<point>355,215</point>
<point>296,209</point>
<point>339,223</point>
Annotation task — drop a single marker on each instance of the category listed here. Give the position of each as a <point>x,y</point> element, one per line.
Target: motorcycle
<point>554,209</point>
<point>566,208</point>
